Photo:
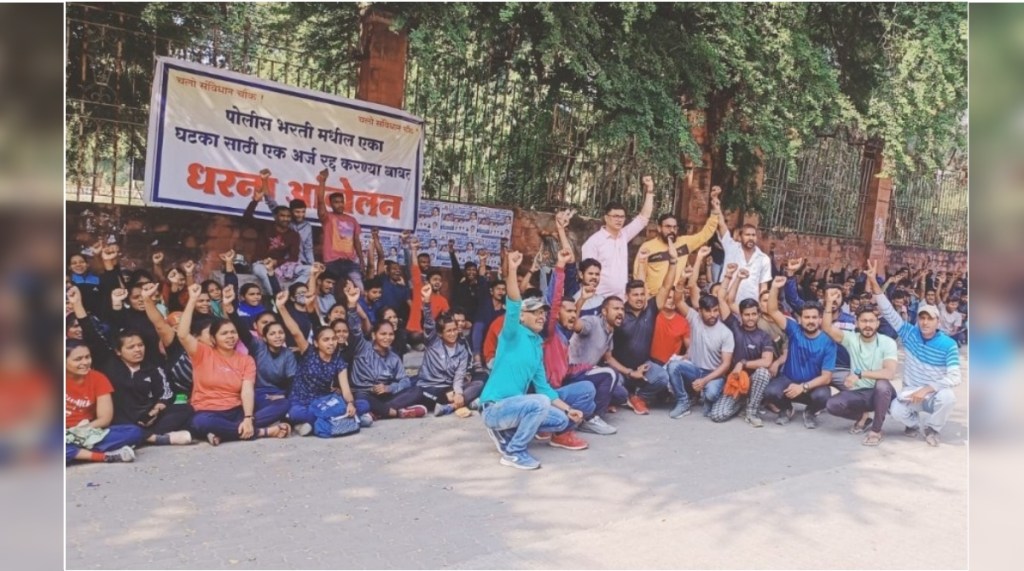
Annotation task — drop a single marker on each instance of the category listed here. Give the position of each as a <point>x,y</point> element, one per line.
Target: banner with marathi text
<point>211,131</point>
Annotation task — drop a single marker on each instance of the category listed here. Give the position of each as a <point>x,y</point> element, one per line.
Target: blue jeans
<point>683,373</point>
<point>580,396</point>
<point>120,435</point>
<point>604,380</point>
<point>526,414</point>
<point>657,381</point>
<point>344,269</point>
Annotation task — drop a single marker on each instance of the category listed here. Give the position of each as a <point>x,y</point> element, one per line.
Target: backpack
<point>330,417</point>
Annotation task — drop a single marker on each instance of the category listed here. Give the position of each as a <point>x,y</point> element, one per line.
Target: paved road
<point>430,493</point>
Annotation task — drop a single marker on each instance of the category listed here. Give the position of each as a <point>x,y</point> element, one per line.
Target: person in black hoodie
<point>142,394</point>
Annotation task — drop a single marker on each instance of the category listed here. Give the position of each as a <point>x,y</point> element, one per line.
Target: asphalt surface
<point>429,493</point>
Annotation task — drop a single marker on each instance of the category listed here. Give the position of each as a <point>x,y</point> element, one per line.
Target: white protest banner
<point>211,131</point>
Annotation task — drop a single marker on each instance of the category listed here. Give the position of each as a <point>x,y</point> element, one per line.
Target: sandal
<point>872,439</point>
<point>212,439</point>
<point>860,426</point>
<point>284,430</point>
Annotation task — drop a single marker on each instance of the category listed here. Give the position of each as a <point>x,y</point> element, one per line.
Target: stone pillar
<point>876,210</point>
<point>382,71</point>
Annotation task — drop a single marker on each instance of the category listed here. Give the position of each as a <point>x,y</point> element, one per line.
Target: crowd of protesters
<point>300,345</point>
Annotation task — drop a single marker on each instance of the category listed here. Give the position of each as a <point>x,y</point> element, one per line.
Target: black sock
<point>163,439</point>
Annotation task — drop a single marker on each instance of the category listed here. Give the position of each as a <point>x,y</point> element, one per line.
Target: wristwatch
<point>857,372</point>
<point>805,387</point>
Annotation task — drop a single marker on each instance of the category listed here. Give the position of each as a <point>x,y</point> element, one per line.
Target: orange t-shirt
<point>668,336</point>
<point>438,303</point>
<point>491,340</point>
<point>80,398</point>
<point>217,380</point>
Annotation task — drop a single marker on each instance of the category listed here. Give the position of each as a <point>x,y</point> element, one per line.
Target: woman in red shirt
<point>87,406</point>
<point>224,384</point>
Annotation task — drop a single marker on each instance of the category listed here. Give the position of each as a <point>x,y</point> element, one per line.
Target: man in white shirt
<point>745,254</point>
<point>609,245</point>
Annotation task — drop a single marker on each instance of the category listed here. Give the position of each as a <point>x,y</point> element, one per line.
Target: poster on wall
<point>472,228</point>
<point>211,131</point>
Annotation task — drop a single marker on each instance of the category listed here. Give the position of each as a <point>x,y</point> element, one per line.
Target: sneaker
<point>754,420</point>
<point>637,404</point>
<point>597,425</point>
<point>931,437</point>
<point>414,411</point>
<point>521,460</point>
<point>543,436</point>
<point>912,432</point>
<point>474,404</point>
<point>444,409</point>
<point>681,409</point>
<point>569,441</point>
<point>499,438</point>
<point>303,428</point>
<point>809,420</point>
<point>784,417</point>
<point>123,454</point>
<point>366,420</point>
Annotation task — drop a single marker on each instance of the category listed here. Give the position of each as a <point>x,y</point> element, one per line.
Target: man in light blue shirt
<point>512,416</point>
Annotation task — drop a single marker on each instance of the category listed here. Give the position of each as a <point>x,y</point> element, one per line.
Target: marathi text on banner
<point>212,131</point>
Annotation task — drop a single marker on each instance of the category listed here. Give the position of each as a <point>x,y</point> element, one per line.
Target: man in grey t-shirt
<point>710,354</point>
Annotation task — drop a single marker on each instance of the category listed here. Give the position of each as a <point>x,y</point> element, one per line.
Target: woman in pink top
<point>224,385</point>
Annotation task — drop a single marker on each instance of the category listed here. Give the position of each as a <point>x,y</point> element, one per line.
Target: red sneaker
<point>637,404</point>
<point>568,440</point>
<point>414,411</point>
<point>543,436</point>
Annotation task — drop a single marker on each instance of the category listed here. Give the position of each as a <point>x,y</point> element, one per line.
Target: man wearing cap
<point>512,416</point>
<point>931,370</point>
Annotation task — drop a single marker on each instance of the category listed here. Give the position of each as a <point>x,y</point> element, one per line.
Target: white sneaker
<point>303,428</point>
<point>597,425</point>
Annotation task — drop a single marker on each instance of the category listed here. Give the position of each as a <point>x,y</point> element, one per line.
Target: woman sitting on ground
<point>444,375</point>
<point>89,411</point>
<point>322,371</point>
<point>276,365</point>
<point>378,374</point>
<point>223,391</point>
<point>143,395</point>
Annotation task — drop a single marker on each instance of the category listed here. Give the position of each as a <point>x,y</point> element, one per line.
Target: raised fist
<point>189,266</point>
<point>281,298</point>
<point>688,272</point>
<point>716,191</point>
<point>588,292</point>
<point>317,269</point>
<point>794,264</point>
<point>149,290</point>
<point>270,264</point>
<point>514,259</point>
<point>158,258</point>
<point>425,292</point>
<point>119,295</point>
<point>109,254</point>
<point>648,183</point>
<point>565,256</point>
<point>743,274</point>
<point>731,267</point>
<point>321,177</point>
<point>704,252</point>
<point>352,294</point>
<point>194,290</point>
<point>264,174</point>
<point>451,245</point>
<point>779,282</point>
<point>227,256</point>
<point>227,295</point>
<point>74,296</point>
<point>643,254</point>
